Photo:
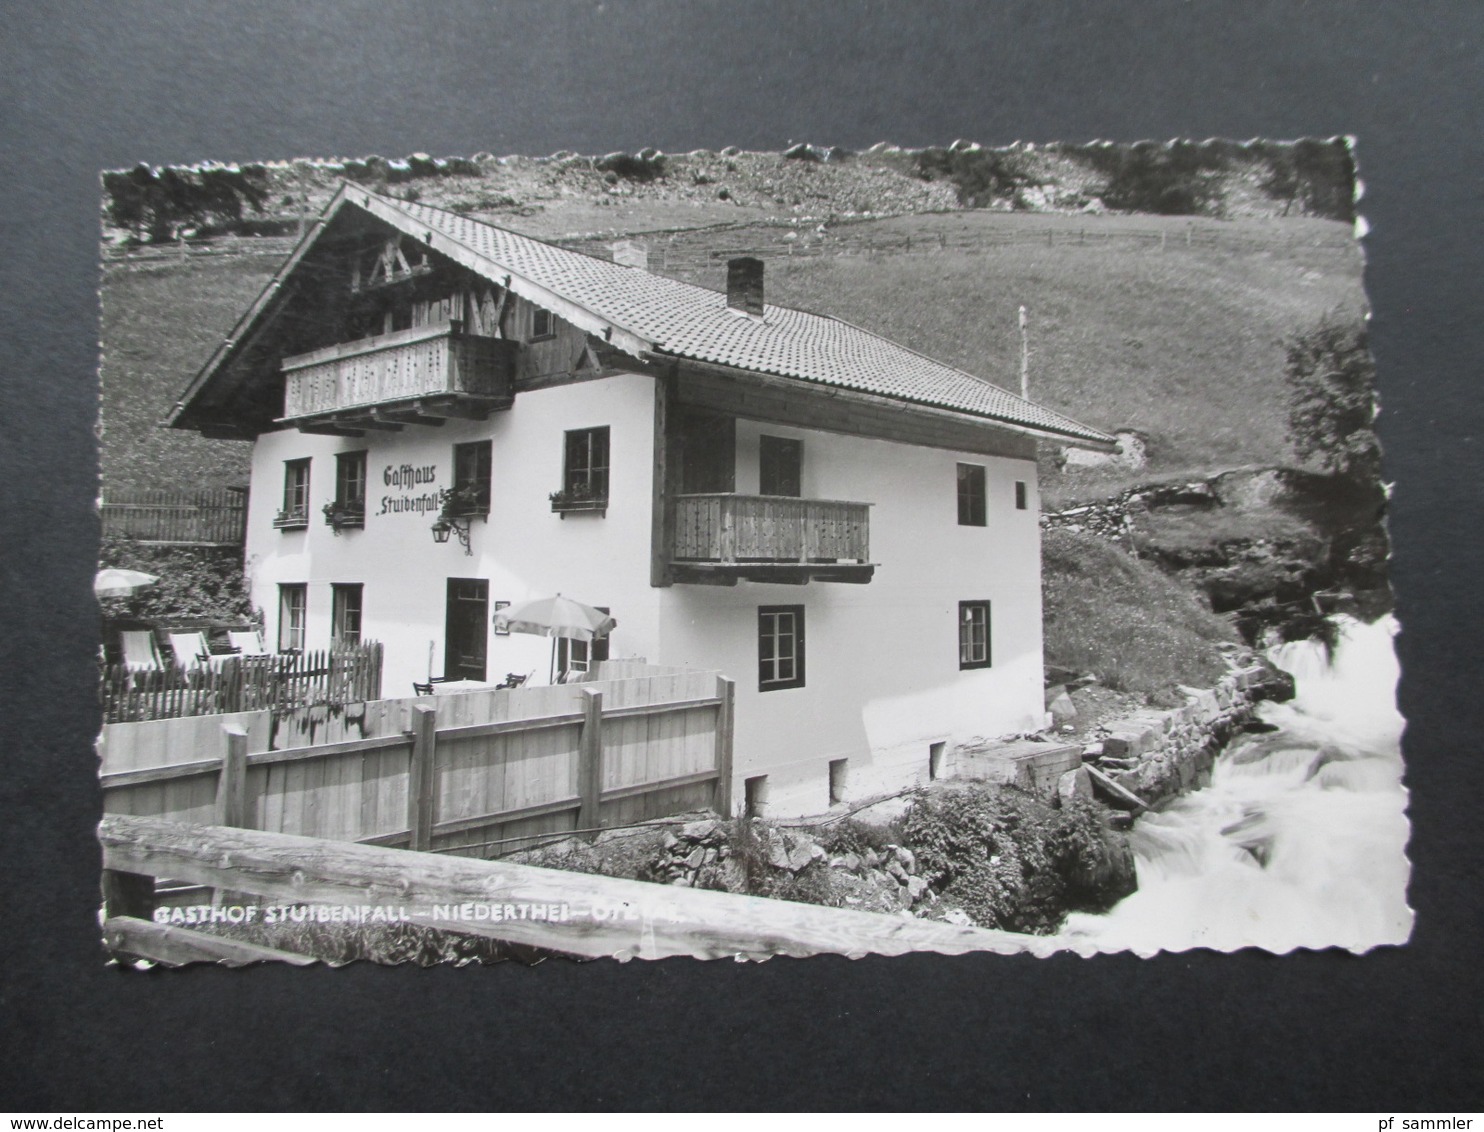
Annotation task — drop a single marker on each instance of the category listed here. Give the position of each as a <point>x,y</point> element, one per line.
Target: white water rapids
<point>1300,839</point>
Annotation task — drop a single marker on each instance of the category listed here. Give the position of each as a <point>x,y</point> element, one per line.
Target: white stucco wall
<point>523,549</point>
<point>882,681</point>
<point>882,677</point>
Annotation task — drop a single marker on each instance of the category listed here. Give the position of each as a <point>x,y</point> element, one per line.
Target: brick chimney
<point>745,285</point>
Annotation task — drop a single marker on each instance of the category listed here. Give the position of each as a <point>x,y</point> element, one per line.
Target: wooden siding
<point>770,528</point>
<point>178,518</point>
<point>477,773</point>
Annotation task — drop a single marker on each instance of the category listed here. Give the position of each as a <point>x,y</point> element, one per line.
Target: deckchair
<point>140,653</point>
<point>190,649</point>
<point>247,642</point>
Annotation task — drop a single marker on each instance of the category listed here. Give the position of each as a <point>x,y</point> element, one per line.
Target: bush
<point>196,583</point>
<point>1332,399</point>
<point>979,175</point>
<point>1179,179</point>
<point>1011,861</point>
<point>154,203</point>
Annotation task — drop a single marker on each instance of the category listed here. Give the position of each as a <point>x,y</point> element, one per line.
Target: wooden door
<point>466,629</point>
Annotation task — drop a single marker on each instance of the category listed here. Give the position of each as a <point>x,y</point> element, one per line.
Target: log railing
<point>565,912</point>
<point>727,528</point>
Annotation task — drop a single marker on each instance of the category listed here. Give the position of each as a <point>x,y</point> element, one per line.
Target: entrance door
<point>466,629</point>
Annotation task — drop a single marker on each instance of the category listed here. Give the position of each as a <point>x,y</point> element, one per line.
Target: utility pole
<point>1025,358</point>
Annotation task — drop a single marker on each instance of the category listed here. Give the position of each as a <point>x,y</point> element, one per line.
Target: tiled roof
<point>693,322</point>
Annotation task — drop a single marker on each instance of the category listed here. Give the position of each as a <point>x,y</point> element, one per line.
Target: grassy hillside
<point>161,322</point>
<point>1126,620</point>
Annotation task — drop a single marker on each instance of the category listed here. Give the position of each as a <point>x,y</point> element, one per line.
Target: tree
<point>1332,399</point>
<point>157,202</point>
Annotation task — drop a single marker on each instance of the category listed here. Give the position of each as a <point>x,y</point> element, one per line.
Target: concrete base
<point>1025,763</point>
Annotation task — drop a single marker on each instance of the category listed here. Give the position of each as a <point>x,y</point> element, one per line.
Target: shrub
<point>154,203</point>
<point>1179,179</point>
<point>1332,399</point>
<point>1011,861</point>
<point>979,175</point>
<point>196,583</point>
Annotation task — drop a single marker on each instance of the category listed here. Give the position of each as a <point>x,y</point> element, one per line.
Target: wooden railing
<point>481,772</point>
<point>184,518</point>
<point>428,361</point>
<point>769,528</point>
<point>349,674</point>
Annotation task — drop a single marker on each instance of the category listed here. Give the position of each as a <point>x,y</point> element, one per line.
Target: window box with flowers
<point>577,499</point>
<point>343,516</point>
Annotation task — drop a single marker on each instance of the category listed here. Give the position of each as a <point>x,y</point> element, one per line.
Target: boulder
<point>916,886</point>
<point>1073,785</point>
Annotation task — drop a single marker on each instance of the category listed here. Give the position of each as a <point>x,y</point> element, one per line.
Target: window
<point>780,647</point>
<point>780,466</point>
<point>970,495</point>
<point>580,656</point>
<point>345,613</point>
<point>471,478</point>
<point>543,323</point>
<point>350,485</point>
<point>291,605</point>
<point>585,466</point>
<point>973,634</point>
<point>1020,495</point>
<point>295,513</point>
<point>839,774</point>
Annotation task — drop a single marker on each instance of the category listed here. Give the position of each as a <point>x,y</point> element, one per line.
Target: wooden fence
<point>477,773</point>
<point>176,518</point>
<point>282,682</point>
<point>566,912</point>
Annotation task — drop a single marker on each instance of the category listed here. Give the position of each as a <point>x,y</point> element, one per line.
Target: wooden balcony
<point>420,376</point>
<point>721,538</point>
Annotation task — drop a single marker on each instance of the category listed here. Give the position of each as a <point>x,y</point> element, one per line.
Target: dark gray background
<point>85,86</point>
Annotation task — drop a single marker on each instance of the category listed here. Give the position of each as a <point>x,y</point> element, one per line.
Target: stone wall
<point>1158,754</point>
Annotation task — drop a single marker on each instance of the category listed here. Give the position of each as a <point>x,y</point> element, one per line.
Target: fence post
<point>231,784</point>
<point>420,780</point>
<point>726,689</point>
<point>590,760</point>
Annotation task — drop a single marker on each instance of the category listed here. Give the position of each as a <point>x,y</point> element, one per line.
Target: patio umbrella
<point>114,582</point>
<point>556,617</point>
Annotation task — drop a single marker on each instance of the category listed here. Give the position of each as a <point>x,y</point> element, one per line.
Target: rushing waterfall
<point>1300,839</point>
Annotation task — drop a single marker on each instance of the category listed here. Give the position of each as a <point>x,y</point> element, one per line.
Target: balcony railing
<point>771,537</point>
<point>427,370</point>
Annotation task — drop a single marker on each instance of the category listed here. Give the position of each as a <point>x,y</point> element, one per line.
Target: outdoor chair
<point>247,642</point>
<point>140,653</point>
<point>190,649</point>
<point>422,689</point>
<point>513,680</point>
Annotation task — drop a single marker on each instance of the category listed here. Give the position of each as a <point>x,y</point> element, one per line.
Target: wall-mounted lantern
<point>452,524</point>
